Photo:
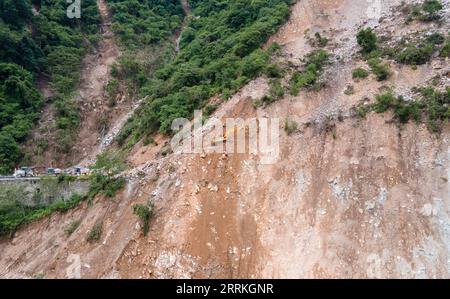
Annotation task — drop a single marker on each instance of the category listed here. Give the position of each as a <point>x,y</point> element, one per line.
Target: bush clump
<point>431,9</point>
<point>106,178</point>
<point>379,69</point>
<point>435,38</point>
<point>274,71</point>
<point>72,227</point>
<point>104,184</point>
<point>144,212</point>
<point>304,79</point>
<point>362,110</point>
<point>360,73</point>
<point>407,111</point>
<point>309,78</point>
<point>437,106</point>
<point>276,89</point>
<point>320,40</point>
<point>445,51</point>
<point>403,111</point>
<point>349,90</point>
<point>95,233</point>
<point>384,102</point>
<point>112,89</point>
<point>367,40</point>
<point>290,126</point>
<point>415,55</point>
<point>276,92</point>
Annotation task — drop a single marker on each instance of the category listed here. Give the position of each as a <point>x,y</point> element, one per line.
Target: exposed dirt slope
<point>177,35</point>
<point>92,96</point>
<point>367,199</point>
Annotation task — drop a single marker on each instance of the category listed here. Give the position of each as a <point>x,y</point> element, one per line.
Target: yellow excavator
<point>230,132</point>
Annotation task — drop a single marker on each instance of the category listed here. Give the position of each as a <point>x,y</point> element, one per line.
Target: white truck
<point>24,172</point>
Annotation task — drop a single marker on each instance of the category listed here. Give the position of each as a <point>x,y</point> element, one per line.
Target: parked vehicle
<point>54,171</point>
<point>24,172</point>
<point>80,171</point>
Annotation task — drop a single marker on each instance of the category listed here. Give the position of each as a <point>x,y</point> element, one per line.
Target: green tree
<point>431,6</point>
<point>367,40</point>
<point>15,12</point>
<point>9,153</point>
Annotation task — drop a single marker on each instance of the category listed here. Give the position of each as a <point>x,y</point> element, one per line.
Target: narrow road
<point>13,179</point>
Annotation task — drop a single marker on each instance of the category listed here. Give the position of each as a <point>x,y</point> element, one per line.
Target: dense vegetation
<point>13,213</point>
<point>19,106</point>
<point>141,23</point>
<point>52,47</point>
<point>219,53</point>
<point>144,31</point>
<point>47,42</point>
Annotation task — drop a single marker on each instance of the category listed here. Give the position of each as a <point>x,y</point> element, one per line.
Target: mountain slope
<point>351,195</point>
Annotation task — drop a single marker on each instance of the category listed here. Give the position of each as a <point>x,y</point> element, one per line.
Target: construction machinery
<point>79,171</point>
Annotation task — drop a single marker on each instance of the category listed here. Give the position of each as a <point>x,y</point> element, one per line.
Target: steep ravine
<point>91,99</point>
<point>177,36</point>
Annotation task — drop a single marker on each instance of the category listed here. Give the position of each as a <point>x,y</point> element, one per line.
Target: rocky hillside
<point>360,188</point>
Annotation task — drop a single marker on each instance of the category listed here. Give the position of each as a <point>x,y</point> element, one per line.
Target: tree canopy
<point>46,41</point>
<point>219,53</point>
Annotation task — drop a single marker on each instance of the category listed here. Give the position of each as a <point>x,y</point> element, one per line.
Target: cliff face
<point>349,197</point>
<point>34,193</point>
